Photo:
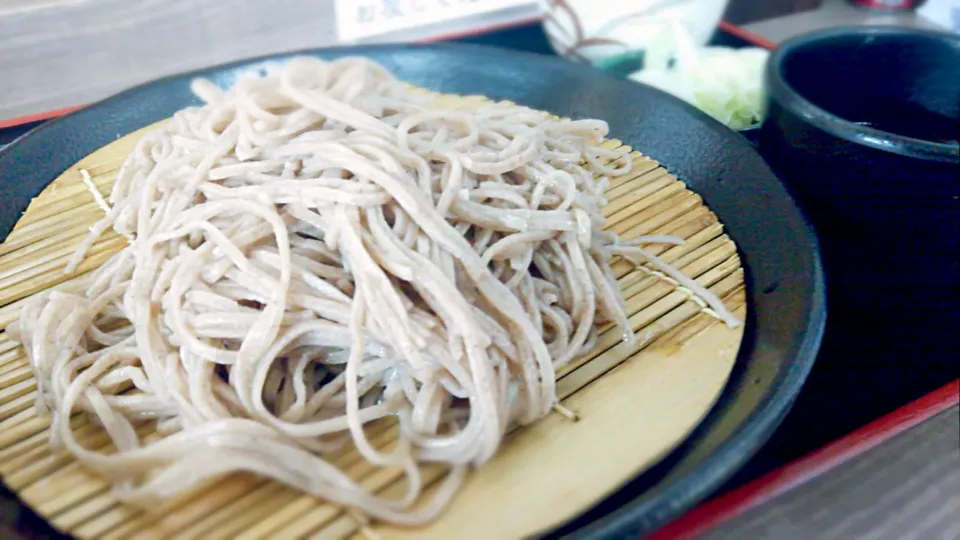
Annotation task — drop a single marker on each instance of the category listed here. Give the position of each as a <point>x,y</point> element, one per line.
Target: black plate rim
<point>682,494</point>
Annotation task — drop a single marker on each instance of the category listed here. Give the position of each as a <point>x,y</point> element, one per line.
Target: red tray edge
<point>725,507</point>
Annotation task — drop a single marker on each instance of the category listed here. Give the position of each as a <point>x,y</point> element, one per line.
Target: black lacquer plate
<point>783,273</point>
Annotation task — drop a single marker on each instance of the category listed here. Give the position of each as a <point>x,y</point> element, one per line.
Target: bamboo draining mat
<point>632,404</point>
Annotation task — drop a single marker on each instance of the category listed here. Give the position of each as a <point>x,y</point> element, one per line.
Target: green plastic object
<point>623,64</point>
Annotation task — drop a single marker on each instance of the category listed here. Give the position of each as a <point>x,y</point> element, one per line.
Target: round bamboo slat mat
<point>623,407</point>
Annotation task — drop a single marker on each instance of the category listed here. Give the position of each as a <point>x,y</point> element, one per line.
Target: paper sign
<point>357,19</point>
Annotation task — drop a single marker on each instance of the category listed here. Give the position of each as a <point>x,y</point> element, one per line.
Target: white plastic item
<point>591,30</point>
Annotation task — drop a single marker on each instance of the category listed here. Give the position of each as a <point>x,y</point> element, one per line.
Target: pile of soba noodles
<point>319,248</point>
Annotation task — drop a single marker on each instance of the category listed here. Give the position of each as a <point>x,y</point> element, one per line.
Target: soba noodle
<point>320,248</point>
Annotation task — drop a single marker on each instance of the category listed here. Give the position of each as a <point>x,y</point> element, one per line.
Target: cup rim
<point>885,141</point>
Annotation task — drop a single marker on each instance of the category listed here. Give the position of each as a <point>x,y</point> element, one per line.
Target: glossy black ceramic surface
<point>779,252</point>
<point>890,89</point>
<point>863,125</point>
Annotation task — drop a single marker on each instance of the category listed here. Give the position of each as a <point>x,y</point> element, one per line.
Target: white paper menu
<point>362,19</point>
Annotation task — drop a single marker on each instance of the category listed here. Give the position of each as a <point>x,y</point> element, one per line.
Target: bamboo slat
<point>633,403</point>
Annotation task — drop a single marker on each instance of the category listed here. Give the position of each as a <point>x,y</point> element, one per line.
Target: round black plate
<point>784,278</point>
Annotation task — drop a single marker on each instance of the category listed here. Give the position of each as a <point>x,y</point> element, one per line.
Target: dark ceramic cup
<point>862,125</point>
